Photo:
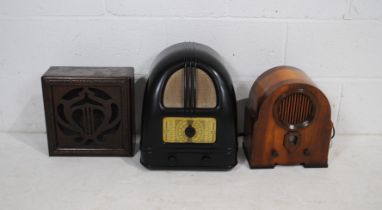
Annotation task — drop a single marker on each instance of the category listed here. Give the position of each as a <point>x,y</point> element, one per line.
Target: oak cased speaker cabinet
<point>287,121</point>
<point>189,111</point>
<point>89,110</point>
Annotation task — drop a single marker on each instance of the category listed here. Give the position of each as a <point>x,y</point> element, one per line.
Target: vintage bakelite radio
<point>189,111</point>
<point>287,121</point>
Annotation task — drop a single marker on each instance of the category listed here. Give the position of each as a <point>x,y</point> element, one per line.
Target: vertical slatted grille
<point>295,109</point>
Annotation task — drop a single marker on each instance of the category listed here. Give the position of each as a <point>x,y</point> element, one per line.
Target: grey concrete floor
<point>30,179</point>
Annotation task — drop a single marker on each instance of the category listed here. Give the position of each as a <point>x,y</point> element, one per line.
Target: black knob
<point>205,158</point>
<point>171,158</point>
<point>275,153</point>
<point>190,131</point>
<point>292,138</point>
<point>306,152</point>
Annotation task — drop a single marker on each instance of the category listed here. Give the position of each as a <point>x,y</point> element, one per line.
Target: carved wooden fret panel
<point>88,116</point>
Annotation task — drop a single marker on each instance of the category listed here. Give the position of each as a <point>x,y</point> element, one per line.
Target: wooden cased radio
<point>89,110</point>
<point>189,111</point>
<point>287,121</point>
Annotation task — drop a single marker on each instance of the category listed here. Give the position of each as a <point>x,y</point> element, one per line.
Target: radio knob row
<point>205,158</point>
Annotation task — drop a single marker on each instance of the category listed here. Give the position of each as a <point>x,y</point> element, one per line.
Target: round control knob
<point>205,158</point>
<point>190,131</point>
<point>171,158</point>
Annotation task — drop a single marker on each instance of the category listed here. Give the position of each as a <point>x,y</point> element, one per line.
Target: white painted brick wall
<point>167,8</point>
<point>345,49</point>
<point>360,110</point>
<point>365,9</point>
<point>51,7</point>
<point>337,42</point>
<point>321,9</point>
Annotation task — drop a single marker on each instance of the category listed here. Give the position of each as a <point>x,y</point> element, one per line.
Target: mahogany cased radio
<point>189,111</point>
<point>287,121</point>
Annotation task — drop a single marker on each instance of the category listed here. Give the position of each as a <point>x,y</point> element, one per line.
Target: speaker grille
<point>295,110</point>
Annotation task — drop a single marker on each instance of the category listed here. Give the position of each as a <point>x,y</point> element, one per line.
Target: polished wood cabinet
<point>287,121</point>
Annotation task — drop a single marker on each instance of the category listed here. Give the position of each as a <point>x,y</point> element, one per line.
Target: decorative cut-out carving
<point>87,115</point>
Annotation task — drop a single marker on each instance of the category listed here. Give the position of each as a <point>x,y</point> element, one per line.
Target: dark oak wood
<point>287,121</point>
<point>89,110</point>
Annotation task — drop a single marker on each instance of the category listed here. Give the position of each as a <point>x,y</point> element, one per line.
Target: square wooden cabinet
<point>89,110</point>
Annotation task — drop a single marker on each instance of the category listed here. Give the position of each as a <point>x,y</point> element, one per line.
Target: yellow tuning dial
<point>189,130</point>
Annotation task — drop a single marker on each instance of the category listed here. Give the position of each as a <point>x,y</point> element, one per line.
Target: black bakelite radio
<point>189,111</point>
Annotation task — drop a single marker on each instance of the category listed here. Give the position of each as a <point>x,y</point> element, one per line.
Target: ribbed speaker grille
<point>296,109</point>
